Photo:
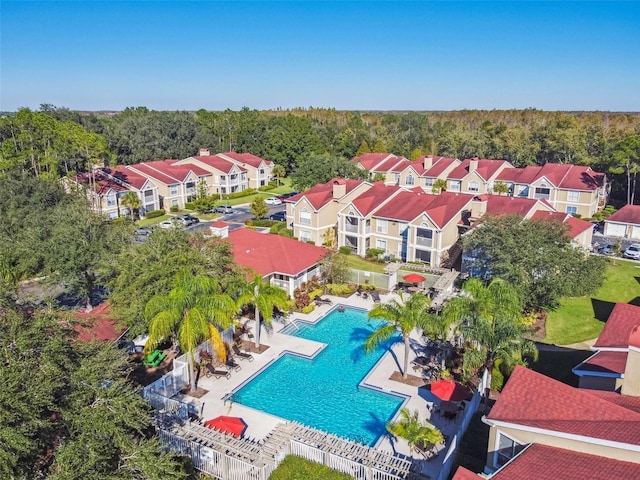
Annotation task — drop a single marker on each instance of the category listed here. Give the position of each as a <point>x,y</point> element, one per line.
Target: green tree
<point>278,171</point>
<point>314,169</point>
<point>259,208</point>
<point>402,317</point>
<point>67,408</point>
<point>131,201</point>
<point>500,188</point>
<point>439,186</point>
<point>419,435</point>
<point>490,317</point>
<point>363,148</point>
<point>627,161</point>
<point>335,268</point>
<point>536,257</point>
<point>264,297</point>
<point>189,314</point>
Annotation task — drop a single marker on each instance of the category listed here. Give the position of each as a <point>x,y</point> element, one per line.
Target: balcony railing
<point>351,228</point>
<point>424,241</point>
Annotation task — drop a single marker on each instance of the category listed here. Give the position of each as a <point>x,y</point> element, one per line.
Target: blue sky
<point>94,55</point>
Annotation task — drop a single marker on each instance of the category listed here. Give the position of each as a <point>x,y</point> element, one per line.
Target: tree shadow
<point>635,302</point>
<point>602,309</point>
<point>378,426</point>
<point>637,279</point>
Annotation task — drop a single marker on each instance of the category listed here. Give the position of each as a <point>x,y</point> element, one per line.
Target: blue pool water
<point>323,393</point>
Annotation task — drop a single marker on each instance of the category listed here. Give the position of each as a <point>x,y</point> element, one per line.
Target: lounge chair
<point>376,296</point>
<point>214,372</point>
<point>241,355</point>
<point>323,301</point>
<point>231,363</point>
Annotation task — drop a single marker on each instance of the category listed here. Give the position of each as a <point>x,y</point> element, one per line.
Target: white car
<point>632,251</point>
<point>168,224</point>
<point>273,201</point>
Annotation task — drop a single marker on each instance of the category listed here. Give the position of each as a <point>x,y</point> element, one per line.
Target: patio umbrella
<point>233,425</point>
<point>450,391</point>
<point>413,278</point>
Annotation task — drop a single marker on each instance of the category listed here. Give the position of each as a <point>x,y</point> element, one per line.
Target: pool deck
<point>261,423</point>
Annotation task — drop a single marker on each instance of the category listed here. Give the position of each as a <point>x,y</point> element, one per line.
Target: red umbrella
<point>413,278</point>
<point>233,425</point>
<point>450,391</point>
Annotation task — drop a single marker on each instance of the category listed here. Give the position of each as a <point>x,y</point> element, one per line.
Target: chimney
<point>339,188</point>
<point>479,206</point>
<point>473,164</point>
<point>204,152</point>
<point>631,385</point>
<point>428,162</point>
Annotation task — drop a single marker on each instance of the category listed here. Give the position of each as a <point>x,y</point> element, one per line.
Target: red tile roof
<point>395,164</point>
<point>267,254</point>
<point>218,163</point>
<point>442,208</point>
<point>616,331</point>
<point>534,400</point>
<point>627,401</point>
<point>486,168</point>
<point>464,474</point>
<point>149,171</point>
<point>98,325</point>
<point>570,177</point>
<point>542,462</point>
<point>604,362</point>
<point>374,197</point>
<point>576,225</point>
<point>248,158</point>
<point>627,214</point>
<point>505,205</point>
<point>440,164</point>
<point>99,183</point>
<point>370,160</point>
<point>322,194</point>
<point>179,171</point>
<point>126,175</point>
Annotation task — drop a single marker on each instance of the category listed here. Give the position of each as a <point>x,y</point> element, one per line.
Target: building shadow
<point>635,302</point>
<point>602,309</point>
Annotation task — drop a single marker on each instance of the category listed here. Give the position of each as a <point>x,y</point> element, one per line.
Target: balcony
<point>349,227</point>
<point>424,241</point>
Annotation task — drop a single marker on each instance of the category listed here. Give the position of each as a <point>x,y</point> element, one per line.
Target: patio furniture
<point>323,301</point>
<point>154,359</point>
<point>241,355</point>
<point>375,296</point>
<point>211,371</point>
<point>231,363</point>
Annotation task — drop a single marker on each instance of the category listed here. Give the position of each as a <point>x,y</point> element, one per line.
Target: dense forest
<point>55,141</point>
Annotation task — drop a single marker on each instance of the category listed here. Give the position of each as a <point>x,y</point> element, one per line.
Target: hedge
<point>155,213</point>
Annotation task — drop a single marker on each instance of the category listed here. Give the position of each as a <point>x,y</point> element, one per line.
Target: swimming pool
<point>323,392</point>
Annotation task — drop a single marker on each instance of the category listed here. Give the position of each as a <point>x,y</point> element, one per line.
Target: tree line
<point>57,140</point>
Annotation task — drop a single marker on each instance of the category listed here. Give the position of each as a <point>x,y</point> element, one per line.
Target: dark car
<point>279,216</point>
<point>224,209</point>
<point>187,220</point>
<point>284,196</point>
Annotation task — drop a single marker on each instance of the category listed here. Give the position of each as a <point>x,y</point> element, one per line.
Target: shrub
<point>155,213</point>
<point>174,208</point>
<point>275,228</point>
<point>315,293</point>
<point>249,223</point>
<point>310,242</point>
<point>373,252</point>
<point>497,378</point>
<point>244,193</point>
<point>339,288</point>
<point>265,223</point>
<point>308,308</point>
<point>286,232</point>
<point>345,250</point>
<point>295,467</point>
<point>190,206</point>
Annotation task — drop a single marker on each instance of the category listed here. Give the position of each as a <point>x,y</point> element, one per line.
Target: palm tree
<point>189,314</point>
<point>439,186</point>
<point>403,317</point>
<point>263,296</point>
<point>278,171</point>
<point>131,201</point>
<point>491,316</point>
<point>418,435</point>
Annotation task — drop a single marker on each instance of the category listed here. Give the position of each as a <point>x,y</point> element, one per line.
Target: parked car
<point>632,251</point>
<point>279,216</point>
<point>224,209</point>
<point>284,196</point>
<point>273,201</point>
<point>606,249</point>
<point>168,224</point>
<point>141,235</point>
<point>187,219</point>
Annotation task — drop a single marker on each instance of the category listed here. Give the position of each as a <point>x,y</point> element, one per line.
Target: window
<point>305,217</point>
<point>382,226</point>
<point>473,186</point>
<point>304,235</point>
<point>572,210</point>
<point>409,180</point>
<point>381,245</point>
<point>424,237</point>
<point>174,203</point>
<point>454,185</point>
<point>397,177</point>
<point>173,190</point>
<point>423,256</point>
<point>148,194</point>
<point>261,171</point>
<point>542,192</point>
<point>223,178</point>
<point>507,449</point>
<point>351,224</point>
<point>111,200</point>
<point>428,182</point>
<point>573,196</point>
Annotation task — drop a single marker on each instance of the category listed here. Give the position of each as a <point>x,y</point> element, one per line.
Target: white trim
<point>609,349</point>
<point>570,436</point>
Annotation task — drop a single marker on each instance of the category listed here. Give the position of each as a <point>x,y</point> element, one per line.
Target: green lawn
<point>297,468</point>
<point>580,319</point>
<point>360,263</point>
<point>147,222</point>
